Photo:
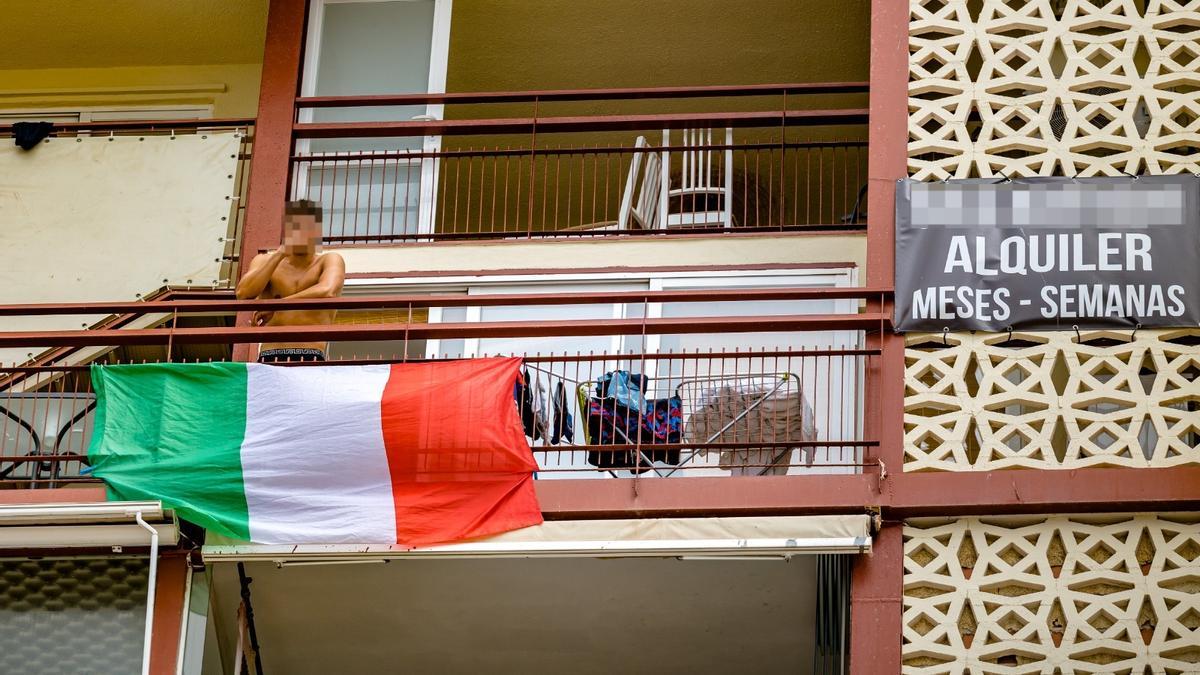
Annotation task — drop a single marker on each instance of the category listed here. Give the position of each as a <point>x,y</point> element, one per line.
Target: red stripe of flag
<point>460,464</point>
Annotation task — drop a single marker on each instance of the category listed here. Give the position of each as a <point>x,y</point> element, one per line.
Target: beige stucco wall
<point>231,89</point>
<point>587,254</point>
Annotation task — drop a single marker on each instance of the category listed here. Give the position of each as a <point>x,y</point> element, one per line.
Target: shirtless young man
<point>295,270</point>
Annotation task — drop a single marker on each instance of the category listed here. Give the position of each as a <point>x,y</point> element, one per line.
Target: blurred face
<point>301,234</point>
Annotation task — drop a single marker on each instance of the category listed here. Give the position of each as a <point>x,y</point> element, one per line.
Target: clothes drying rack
<point>690,391</point>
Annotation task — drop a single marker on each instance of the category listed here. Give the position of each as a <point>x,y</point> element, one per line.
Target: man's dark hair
<point>303,207</point>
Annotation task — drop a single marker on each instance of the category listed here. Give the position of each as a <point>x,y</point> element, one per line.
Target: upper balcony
<point>576,120</point>
<point>513,165</point>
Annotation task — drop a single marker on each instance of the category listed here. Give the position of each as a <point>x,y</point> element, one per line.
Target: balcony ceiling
<point>65,34</point>
<point>579,616</point>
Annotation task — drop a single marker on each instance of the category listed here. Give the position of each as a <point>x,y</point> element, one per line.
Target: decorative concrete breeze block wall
<point>1088,594</point>
<point>1052,87</point>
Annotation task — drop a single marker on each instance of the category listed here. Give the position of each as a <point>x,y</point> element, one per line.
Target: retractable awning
<point>745,537</point>
<point>86,525</point>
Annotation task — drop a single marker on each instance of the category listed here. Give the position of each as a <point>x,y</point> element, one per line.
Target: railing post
<point>532,164</point>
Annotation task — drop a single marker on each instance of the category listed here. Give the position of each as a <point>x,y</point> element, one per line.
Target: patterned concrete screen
<point>1094,594</point>
<point>1058,87</point>
<point>981,402</point>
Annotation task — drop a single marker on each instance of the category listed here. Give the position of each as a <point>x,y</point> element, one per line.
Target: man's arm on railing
<point>258,276</point>
<point>333,275</point>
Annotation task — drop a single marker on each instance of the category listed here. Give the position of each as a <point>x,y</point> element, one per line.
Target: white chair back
<point>645,177</point>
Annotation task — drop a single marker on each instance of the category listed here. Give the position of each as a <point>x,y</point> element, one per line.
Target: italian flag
<point>403,454</point>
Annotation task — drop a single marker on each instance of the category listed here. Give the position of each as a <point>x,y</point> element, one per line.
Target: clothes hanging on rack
<point>562,429</point>
<point>749,415</point>
<point>627,388</point>
<point>530,396</point>
<point>621,414</point>
<point>609,422</point>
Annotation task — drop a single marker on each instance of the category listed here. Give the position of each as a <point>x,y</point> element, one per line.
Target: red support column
<point>169,602</point>
<point>282,60</point>
<point>875,607</point>
<point>875,614</point>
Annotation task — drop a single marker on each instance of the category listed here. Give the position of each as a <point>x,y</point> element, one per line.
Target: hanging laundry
<point>28,134</point>
<point>623,386</point>
<point>620,414</point>
<point>750,415</point>
<point>530,395</point>
<point>609,422</point>
<point>563,427</point>
<point>663,423</point>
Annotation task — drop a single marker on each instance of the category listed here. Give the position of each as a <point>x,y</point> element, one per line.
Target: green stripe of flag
<point>180,440</point>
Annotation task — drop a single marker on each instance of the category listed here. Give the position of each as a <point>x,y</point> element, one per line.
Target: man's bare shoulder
<point>331,258</point>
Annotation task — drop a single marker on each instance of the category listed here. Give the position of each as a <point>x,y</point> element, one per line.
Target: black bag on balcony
<point>29,134</point>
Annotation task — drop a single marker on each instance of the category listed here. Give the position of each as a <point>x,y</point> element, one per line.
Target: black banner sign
<point>1048,253</point>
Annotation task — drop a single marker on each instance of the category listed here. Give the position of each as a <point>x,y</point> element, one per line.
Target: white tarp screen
<point>106,218</point>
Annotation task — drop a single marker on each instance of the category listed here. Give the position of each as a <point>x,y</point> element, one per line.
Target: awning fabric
<point>778,536</point>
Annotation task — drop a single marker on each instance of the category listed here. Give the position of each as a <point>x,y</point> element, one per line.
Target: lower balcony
<point>775,395</point>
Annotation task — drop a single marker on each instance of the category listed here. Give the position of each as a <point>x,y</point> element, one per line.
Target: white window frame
<point>814,277</point>
<point>439,56</point>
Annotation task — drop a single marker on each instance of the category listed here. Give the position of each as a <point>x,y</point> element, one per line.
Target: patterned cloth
<point>753,415</point>
<point>290,354</point>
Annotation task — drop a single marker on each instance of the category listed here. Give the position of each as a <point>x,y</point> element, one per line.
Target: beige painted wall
<point>575,254</point>
<point>235,93</point>
<point>549,44</point>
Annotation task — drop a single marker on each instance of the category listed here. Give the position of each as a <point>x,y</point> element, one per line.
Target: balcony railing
<point>795,409</point>
<point>521,165</point>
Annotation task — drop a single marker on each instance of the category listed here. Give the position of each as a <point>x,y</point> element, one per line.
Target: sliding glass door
<point>373,187</point>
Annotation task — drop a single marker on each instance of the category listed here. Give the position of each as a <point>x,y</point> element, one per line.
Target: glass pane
<point>373,48</point>
<point>826,385</point>
<point>365,197</point>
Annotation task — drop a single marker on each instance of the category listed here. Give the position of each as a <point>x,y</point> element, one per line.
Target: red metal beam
<point>543,125</point>
<point>590,150</point>
<point>584,235</point>
<point>437,300</point>
<point>549,95</point>
<point>425,331</point>
<point>273,127</point>
<point>1036,491</point>
<point>716,496</point>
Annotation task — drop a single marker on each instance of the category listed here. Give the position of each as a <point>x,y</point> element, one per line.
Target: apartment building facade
<point>698,195</point>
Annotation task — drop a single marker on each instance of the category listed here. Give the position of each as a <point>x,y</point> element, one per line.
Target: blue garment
<point>624,387</point>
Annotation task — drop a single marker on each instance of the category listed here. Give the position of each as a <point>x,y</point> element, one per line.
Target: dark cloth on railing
<point>563,427</point>
<point>532,405</point>
<point>29,134</point>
